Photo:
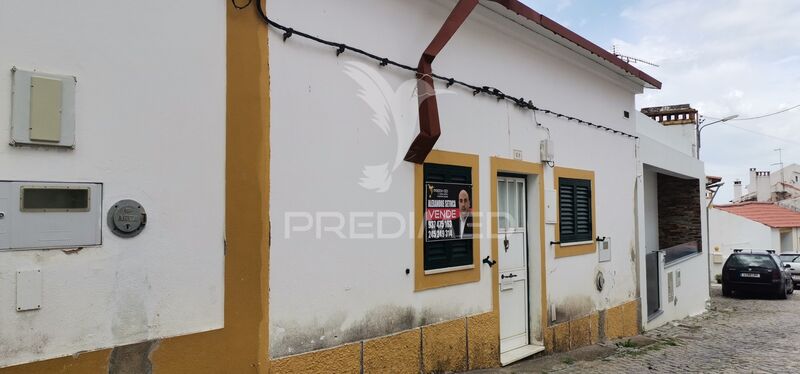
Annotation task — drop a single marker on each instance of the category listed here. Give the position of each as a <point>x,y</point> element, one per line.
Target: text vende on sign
<point>442,214</point>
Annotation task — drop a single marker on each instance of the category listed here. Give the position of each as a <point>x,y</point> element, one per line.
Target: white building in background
<point>751,225</point>
<point>673,251</point>
<point>782,184</point>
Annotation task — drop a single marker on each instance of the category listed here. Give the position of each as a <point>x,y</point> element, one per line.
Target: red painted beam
<point>429,127</point>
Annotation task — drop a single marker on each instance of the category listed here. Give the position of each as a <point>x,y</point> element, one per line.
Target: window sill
<point>447,270</point>
<point>573,244</point>
<point>575,249</point>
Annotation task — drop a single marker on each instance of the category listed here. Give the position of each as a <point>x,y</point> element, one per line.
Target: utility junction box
<point>42,215</point>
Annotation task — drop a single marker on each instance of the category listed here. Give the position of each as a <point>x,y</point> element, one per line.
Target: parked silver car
<point>793,260</point>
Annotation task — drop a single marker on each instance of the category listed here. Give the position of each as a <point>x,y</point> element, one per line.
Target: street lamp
<point>700,128</point>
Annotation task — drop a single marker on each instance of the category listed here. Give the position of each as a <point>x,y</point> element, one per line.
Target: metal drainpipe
<point>429,129</point>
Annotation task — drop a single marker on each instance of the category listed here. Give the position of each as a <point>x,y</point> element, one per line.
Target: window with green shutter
<point>575,210</point>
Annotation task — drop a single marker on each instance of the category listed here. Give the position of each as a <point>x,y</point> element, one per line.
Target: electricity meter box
<point>45,215</point>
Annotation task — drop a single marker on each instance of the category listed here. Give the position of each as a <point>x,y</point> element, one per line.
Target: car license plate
<point>751,275</point>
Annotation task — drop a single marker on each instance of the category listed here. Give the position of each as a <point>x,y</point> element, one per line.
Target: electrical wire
<point>766,135</point>
<point>288,32</point>
<point>767,115</point>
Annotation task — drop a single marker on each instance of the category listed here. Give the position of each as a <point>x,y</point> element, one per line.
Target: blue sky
<point>723,57</point>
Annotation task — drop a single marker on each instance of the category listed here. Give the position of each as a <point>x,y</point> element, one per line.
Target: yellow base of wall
<point>619,322</point>
<point>458,345</point>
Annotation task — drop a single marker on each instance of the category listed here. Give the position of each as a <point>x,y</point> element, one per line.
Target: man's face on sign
<point>463,202</point>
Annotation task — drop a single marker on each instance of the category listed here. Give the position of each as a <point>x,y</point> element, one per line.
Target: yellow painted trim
<point>575,250</point>
<point>90,362</point>
<point>399,353</point>
<point>242,346</point>
<point>342,359</point>
<point>421,280</point>
<point>483,340</point>
<point>444,347</point>
<point>500,165</point>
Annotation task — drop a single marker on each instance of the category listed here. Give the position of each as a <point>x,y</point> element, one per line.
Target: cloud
<point>724,57</point>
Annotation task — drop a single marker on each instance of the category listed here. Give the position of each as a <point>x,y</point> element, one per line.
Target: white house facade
<point>673,247</point>
<point>338,118</point>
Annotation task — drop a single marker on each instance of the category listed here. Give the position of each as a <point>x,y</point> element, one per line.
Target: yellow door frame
<point>503,165</point>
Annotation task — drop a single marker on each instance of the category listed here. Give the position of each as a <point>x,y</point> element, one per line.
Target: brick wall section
<point>678,211</point>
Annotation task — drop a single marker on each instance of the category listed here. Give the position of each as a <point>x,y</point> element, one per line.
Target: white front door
<point>513,262</point>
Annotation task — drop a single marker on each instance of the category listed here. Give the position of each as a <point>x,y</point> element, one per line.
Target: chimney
<point>751,186</point>
<point>737,190</point>
<point>763,188</point>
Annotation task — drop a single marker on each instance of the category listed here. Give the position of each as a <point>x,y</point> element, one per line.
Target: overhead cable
<point>340,48</point>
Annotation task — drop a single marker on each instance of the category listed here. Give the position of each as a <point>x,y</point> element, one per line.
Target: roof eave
<point>607,58</point>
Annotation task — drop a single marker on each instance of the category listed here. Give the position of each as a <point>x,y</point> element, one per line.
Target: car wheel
<point>791,289</point>
<point>782,294</point>
<point>726,291</point>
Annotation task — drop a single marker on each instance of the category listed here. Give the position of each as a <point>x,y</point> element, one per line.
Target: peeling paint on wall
<point>132,359</point>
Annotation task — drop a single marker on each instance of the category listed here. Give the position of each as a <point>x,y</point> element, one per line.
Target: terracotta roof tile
<point>767,213</point>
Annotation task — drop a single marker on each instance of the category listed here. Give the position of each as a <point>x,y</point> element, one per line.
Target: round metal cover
<point>127,218</point>
<point>600,281</point>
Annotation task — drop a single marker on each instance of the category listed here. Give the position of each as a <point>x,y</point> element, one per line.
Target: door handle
<point>512,275</point>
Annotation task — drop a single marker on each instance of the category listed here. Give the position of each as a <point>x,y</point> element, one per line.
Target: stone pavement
<point>737,335</point>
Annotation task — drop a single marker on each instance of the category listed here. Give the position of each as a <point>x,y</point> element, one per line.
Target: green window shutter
<point>446,254</point>
<point>575,210</point>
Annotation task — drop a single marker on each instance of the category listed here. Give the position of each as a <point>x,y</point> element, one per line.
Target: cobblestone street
<point>750,334</point>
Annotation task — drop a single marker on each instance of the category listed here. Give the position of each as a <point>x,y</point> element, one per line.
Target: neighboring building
<point>751,225</point>
<point>674,281</point>
<point>783,184</point>
<point>349,245</point>
<point>112,178</point>
<point>682,138</point>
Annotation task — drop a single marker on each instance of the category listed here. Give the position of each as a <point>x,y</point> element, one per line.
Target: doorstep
<point>517,354</point>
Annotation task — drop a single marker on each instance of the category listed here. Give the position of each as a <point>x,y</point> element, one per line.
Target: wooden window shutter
<point>575,210</point>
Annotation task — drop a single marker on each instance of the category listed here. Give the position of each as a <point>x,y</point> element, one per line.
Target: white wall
<point>680,138</point>
<point>790,174</point>
<point>151,127</point>
<point>660,152</point>
<point>326,292</point>
<point>650,181</point>
<point>690,294</point>
<point>729,232</point>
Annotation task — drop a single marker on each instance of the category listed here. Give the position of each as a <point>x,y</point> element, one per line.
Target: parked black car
<point>758,271</point>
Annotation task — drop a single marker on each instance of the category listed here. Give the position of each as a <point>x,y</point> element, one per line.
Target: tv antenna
<point>629,59</point>
<point>780,162</point>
